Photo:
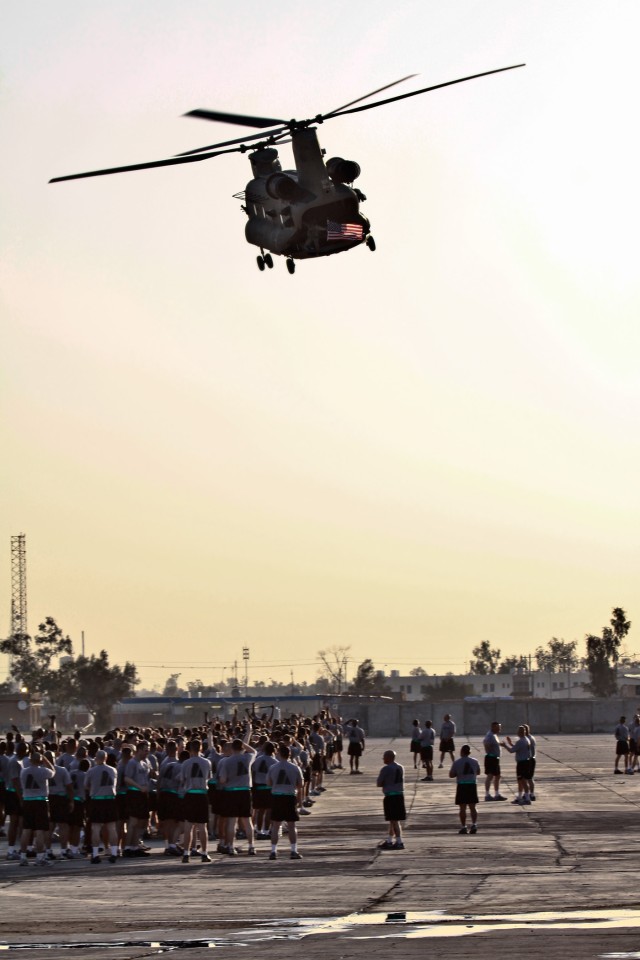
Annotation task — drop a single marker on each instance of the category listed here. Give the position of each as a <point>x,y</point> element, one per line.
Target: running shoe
<point>96,860</point>
<point>13,855</point>
<point>473,828</point>
<point>489,798</point>
<point>398,845</point>
<point>386,845</point>
<point>251,852</point>
<point>185,858</point>
<point>294,855</point>
<point>462,830</point>
<point>517,801</point>
<point>273,855</point>
<point>112,858</point>
<point>499,796</point>
<point>205,858</point>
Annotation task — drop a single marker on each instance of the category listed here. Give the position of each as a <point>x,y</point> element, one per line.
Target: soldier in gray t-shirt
<point>34,787</point>
<point>391,779</point>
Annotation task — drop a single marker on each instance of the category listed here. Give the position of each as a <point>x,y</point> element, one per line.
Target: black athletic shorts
<point>261,797</point>
<point>137,805</point>
<point>237,803</point>
<point>355,749</point>
<point>284,808</point>
<point>59,809</point>
<point>76,817</point>
<point>622,748</point>
<point>394,808</point>
<point>35,814</point>
<point>492,766</point>
<point>103,810</point>
<point>426,754</point>
<point>466,793</point>
<point>447,746</point>
<point>169,806</point>
<point>12,804</point>
<point>195,807</point>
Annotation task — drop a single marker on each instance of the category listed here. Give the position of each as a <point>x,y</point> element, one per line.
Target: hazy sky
<point>406,452</point>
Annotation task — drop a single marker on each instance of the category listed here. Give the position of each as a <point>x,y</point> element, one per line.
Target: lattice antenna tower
<point>18,585</point>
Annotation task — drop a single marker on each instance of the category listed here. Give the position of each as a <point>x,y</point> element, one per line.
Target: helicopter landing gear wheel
<point>291,265</point>
<point>371,243</point>
<point>268,259</point>
<point>260,262</point>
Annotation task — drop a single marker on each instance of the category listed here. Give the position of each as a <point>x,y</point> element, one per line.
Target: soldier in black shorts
<point>447,733</point>
<point>391,779</point>
<point>100,784</point>
<point>466,770</point>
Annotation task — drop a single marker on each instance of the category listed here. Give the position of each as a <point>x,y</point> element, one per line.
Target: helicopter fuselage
<point>306,212</point>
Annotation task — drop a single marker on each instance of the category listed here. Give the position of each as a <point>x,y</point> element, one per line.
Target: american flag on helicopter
<point>343,231</point>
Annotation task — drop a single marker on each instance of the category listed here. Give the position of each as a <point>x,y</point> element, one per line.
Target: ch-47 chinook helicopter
<point>310,211</point>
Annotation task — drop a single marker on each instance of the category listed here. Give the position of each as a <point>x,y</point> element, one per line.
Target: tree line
<point>560,656</point>
<point>90,682</point>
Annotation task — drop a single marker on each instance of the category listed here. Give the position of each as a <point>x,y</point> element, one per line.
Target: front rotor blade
<point>142,166</point>
<point>415,93</point>
<point>372,94</point>
<point>227,143</point>
<point>234,118</point>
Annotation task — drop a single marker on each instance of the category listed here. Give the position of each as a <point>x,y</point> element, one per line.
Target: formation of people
<point>102,797</point>
<point>250,778</point>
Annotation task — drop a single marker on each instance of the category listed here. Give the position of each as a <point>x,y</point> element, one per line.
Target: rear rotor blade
<point>143,166</point>
<point>372,94</point>
<point>415,93</point>
<point>238,118</point>
<point>226,143</point>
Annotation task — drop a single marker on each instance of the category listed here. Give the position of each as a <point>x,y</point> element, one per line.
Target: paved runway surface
<point>560,878</point>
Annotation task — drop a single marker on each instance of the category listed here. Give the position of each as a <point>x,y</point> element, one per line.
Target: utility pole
<point>245,657</point>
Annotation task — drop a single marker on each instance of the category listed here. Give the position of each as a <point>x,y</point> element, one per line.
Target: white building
<point>538,683</point>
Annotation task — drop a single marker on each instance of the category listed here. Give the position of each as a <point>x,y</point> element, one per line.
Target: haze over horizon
<point>404,452</point>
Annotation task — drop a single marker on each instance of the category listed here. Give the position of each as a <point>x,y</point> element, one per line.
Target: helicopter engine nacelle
<point>343,171</point>
<point>280,186</point>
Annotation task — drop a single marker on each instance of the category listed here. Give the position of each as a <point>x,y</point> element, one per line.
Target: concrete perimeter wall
<point>473,718</point>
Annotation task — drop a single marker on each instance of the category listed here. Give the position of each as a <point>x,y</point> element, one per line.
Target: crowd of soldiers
<point>102,797</point>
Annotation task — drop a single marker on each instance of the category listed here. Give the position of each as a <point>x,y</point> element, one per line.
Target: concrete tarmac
<point>559,878</point>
